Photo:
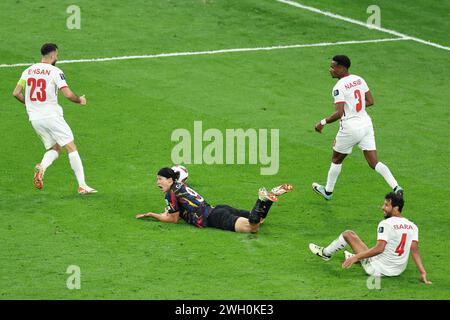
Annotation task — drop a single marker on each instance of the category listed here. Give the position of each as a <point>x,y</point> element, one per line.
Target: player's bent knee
<point>349,235</point>
<point>254,228</point>
<point>56,147</point>
<point>70,147</point>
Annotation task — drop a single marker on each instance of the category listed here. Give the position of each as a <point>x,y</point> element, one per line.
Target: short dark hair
<point>342,60</point>
<point>396,200</point>
<point>47,48</point>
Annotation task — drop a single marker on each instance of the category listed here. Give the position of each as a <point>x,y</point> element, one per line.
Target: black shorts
<point>224,217</point>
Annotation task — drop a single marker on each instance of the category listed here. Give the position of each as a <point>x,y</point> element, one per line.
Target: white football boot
<point>318,251</point>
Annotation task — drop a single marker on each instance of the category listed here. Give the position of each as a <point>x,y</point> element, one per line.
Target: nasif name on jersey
<point>352,91</point>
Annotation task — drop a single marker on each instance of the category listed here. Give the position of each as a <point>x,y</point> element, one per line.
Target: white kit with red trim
<point>351,90</point>
<point>42,82</point>
<point>399,233</point>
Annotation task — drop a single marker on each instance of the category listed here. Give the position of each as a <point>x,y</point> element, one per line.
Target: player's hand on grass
<point>318,127</point>
<point>423,278</point>
<point>83,100</point>
<point>142,215</point>
<point>349,262</point>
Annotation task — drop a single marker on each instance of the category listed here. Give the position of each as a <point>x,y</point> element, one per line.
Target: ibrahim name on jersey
<point>42,82</point>
<point>191,206</point>
<point>398,233</point>
<point>351,90</point>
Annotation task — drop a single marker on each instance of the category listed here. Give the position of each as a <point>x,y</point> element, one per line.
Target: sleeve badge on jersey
<point>380,229</point>
<point>62,76</point>
<point>336,92</point>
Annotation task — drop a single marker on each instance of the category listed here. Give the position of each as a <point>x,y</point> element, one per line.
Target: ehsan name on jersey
<point>403,226</point>
<point>352,84</point>
<point>39,71</point>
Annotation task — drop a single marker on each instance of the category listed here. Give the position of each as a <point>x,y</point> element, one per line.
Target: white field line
<point>360,23</point>
<point>196,53</point>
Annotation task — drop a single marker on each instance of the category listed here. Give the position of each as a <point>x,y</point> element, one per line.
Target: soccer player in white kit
<point>41,82</point>
<point>351,97</point>
<point>397,237</point>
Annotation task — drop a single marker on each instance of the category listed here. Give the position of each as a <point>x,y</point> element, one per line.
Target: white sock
<point>77,167</point>
<point>335,246</point>
<point>382,169</point>
<point>49,157</point>
<point>333,174</point>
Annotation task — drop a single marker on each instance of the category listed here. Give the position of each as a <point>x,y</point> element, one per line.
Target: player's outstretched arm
<point>163,217</point>
<point>17,93</point>
<point>418,261</point>
<point>73,97</point>
<point>335,116</point>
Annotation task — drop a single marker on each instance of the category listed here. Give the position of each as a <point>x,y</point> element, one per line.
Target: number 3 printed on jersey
<point>41,84</point>
<point>358,97</point>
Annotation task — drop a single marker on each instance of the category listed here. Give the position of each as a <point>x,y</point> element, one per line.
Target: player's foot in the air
<point>265,195</point>
<point>348,255</point>
<point>398,190</point>
<point>319,189</point>
<point>86,190</point>
<point>284,188</point>
<point>318,251</point>
<point>38,176</point>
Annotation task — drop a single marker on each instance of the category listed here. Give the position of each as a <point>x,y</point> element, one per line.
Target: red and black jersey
<point>191,206</point>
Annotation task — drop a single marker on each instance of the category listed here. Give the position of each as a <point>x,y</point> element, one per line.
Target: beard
<point>54,62</point>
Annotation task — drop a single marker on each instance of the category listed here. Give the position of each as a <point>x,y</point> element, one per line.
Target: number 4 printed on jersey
<point>401,247</point>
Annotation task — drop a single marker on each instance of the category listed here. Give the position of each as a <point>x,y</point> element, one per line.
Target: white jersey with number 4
<point>42,82</point>
<point>351,90</point>
<point>399,233</point>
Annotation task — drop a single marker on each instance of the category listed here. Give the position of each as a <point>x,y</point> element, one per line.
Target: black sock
<point>259,211</point>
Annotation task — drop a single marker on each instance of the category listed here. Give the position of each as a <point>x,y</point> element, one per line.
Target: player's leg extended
<point>382,169</point>
<point>51,155</point>
<point>77,167</point>
<point>346,238</point>
<point>263,204</point>
<point>333,174</point>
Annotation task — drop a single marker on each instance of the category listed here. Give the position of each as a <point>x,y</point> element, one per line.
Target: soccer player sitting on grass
<point>183,202</point>
<point>397,236</point>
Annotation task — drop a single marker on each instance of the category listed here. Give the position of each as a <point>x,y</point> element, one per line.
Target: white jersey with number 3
<point>399,233</point>
<point>42,82</point>
<point>351,90</point>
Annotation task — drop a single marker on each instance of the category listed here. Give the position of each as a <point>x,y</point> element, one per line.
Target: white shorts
<point>371,267</point>
<point>53,131</point>
<point>363,137</point>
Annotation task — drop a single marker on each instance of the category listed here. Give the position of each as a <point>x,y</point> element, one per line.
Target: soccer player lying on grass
<point>183,202</point>
<point>397,236</point>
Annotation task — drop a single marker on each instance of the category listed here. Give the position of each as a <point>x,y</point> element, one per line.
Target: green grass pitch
<point>123,137</point>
